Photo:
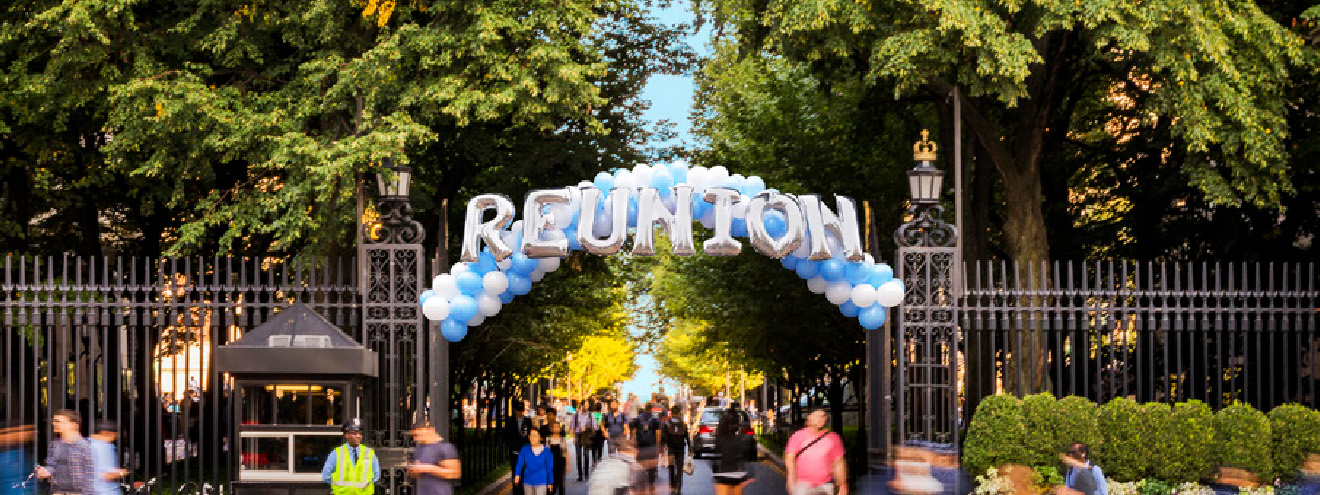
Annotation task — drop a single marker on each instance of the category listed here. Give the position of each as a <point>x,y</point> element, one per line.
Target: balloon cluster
<point>474,291</point>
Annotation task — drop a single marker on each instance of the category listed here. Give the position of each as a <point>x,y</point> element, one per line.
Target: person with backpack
<point>646,432</point>
<point>676,442</point>
<point>814,460</point>
<point>616,426</point>
<point>618,474</point>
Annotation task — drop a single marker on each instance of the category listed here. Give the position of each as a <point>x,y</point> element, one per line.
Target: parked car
<point>703,442</point>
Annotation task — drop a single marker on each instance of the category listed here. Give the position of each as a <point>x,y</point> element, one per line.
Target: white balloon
<point>476,320</point>
<point>459,268</point>
<point>446,285</point>
<point>505,264</point>
<point>889,294</point>
<point>436,281</point>
<point>437,308</point>
<point>863,295</point>
<point>838,292</point>
<point>643,173</point>
<point>488,304</point>
<point>536,275</point>
<point>817,284</point>
<point>494,283</point>
<point>719,173</point>
<point>625,180</point>
<point>870,260</point>
<point>547,264</point>
<point>563,215</point>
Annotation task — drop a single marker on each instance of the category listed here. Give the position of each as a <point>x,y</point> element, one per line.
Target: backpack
<point>646,436</point>
<point>605,477</point>
<point>675,432</point>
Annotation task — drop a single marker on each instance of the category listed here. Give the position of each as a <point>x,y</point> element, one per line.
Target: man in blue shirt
<point>1079,464</point>
<point>347,482</point>
<point>105,460</point>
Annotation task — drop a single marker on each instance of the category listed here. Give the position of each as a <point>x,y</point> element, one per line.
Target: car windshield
<point>712,417</point>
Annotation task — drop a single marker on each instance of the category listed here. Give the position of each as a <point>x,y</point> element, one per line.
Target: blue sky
<point>671,98</point>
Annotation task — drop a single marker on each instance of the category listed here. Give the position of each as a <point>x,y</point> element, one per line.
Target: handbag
<point>688,467</point>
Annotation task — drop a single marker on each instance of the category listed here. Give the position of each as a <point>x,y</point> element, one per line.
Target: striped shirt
<point>71,467</point>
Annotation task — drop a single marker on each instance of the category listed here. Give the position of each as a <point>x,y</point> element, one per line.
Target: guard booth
<point>299,378</point>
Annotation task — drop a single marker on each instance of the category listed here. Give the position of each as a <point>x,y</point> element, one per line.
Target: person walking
<point>597,433</point>
<point>536,467</point>
<point>814,459</point>
<point>1083,476</point>
<point>435,462</point>
<point>584,431</point>
<point>105,461</point>
<point>616,426</point>
<point>618,474</point>
<point>731,471</point>
<point>676,443</point>
<point>351,468</point>
<point>514,434</point>
<point>69,465</point>
<point>646,432</point>
<point>558,443</point>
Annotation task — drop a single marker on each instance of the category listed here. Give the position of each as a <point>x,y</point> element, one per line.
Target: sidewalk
<point>768,479</point>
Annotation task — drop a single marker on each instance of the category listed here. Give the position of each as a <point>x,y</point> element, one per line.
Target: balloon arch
<point>822,245</point>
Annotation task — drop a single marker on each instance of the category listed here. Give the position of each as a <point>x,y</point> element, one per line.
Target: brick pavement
<point>768,480</point>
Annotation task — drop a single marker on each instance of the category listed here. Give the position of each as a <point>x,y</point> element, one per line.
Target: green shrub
<point>1155,487</point>
<point>1185,444</point>
<point>1125,445</point>
<point>1296,432</point>
<point>1076,420</point>
<point>1046,476</point>
<point>1040,417</point>
<point>1242,440</point>
<point>996,434</point>
<point>1155,420</point>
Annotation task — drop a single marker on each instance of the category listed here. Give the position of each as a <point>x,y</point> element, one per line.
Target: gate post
<point>927,339</point>
<point>392,320</point>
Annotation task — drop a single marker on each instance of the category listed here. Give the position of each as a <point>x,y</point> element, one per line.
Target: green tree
<point>687,356</point>
<point>1044,81</point>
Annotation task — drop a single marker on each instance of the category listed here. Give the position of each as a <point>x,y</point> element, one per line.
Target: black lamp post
<point>924,181</point>
<point>926,226</point>
<point>396,223</point>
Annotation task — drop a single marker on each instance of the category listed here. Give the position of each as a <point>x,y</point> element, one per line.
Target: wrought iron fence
<point>1152,331</point>
<point>129,341</point>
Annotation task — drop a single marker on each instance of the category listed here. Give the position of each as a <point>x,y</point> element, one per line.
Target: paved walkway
<point>768,480</point>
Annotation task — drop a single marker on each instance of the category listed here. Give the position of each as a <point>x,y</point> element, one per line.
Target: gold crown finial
<point>924,150</point>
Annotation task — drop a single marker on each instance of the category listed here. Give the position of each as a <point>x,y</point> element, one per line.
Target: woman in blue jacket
<point>536,467</point>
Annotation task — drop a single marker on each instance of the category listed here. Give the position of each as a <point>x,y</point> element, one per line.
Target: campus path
<point>769,480</point>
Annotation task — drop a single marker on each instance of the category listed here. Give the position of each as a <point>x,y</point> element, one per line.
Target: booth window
<point>296,404</point>
<point>284,435</point>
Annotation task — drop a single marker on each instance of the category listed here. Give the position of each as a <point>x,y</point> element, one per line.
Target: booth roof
<point>304,343</point>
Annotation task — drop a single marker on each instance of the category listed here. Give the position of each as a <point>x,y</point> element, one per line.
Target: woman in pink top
<point>814,459</point>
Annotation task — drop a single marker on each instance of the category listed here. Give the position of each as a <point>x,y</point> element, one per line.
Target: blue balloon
<point>463,308</point>
<point>522,264</point>
<point>506,296</point>
<point>739,227</point>
<point>604,181</point>
<point>519,285</point>
<point>426,294</point>
<point>469,283</point>
<point>679,171</point>
<point>632,211</point>
<point>662,181</point>
<point>849,309</point>
<point>872,317</point>
<point>832,270</point>
<point>755,184</point>
<point>572,233</point>
<point>880,273</point>
<point>485,263</point>
<point>857,272</point>
<point>808,268</point>
<point>790,262</point>
<point>453,330</point>
<point>699,206</point>
<point>776,224</point>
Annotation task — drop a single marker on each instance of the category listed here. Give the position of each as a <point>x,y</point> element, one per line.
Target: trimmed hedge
<point>1242,440</point>
<point>1190,435</point>
<point>1042,429</point>
<point>996,435</point>
<point>1296,432</point>
<point>1125,453</point>
<point>1078,421</point>
<point>1156,419</point>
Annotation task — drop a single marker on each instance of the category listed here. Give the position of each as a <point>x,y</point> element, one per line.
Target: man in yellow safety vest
<point>352,468</point>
